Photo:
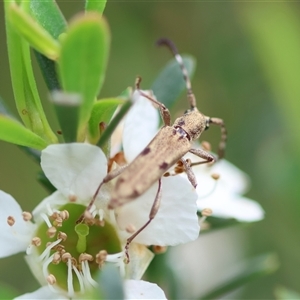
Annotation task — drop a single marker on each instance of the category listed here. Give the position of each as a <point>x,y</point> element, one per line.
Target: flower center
<point>72,253</point>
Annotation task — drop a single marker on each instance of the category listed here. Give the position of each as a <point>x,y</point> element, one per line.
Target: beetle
<point>167,148</point>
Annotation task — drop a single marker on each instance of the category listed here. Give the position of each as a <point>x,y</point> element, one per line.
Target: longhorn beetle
<point>168,147</point>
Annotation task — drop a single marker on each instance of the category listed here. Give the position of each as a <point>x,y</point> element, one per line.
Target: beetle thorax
<point>192,122</point>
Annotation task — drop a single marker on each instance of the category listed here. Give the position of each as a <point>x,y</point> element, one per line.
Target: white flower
<point>222,196</point>
<point>76,171</point>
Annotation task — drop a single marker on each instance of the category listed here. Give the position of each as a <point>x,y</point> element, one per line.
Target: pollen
<point>11,220</point>
<point>62,235</point>
<point>206,212</point>
<point>159,249</point>
<point>130,228</point>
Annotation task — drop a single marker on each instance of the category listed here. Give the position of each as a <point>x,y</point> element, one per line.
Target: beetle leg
<point>152,214</point>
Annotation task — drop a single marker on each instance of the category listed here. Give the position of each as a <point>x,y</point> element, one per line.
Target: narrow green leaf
<point>102,112</point>
<point>95,5</point>
<point>83,61</point>
<point>67,110</point>
<point>33,32</point>
<point>25,91</point>
<point>170,83</point>
<point>48,15</point>
<point>13,132</point>
<point>114,123</point>
<point>256,268</point>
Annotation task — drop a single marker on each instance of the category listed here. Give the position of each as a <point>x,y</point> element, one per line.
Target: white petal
<point>14,238</point>
<point>176,221</point>
<point>42,293</point>
<point>139,289</point>
<point>140,258</point>
<point>141,125</point>
<point>74,169</point>
<point>227,205</point>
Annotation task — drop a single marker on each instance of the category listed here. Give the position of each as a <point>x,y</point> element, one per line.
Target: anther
<point>56,258</point>
<point>100,223</point>
<point>64,215</point>
<point>51,232</point>
<point>130,228</point>
<point>215,176</point>
<point>51,279</point>
<point>206,212</point>
<point>27,216</point>
<point>206,146</point>
<point>84,257</point>
<point>36,241</point>
<point>159,249</point>
<point>58,222</point>
<point>62,235</point>
<point>11,220</point>
<point>66,256</point>
<point>72,198</point>
<point>101,257</point>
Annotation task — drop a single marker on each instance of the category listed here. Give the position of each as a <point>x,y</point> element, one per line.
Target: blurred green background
<point>248,71</point>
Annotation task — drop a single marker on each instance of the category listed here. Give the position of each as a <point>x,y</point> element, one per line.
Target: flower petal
<point>140,126</point>
<point>14,238</point>
<point>176,221</point>
<point>42,293</point>
<point>139,289</point>
<point>74,169</point>
<point>228,205</point>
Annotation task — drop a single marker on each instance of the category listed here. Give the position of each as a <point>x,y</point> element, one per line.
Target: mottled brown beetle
<point>168,147</point>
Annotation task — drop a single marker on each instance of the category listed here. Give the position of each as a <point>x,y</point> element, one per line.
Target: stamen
<point>49,209</point>
<point>11,220</point>
<point>27,216</point>
<point>101,257</point>
<point>159,249</point>
<point>72,198</point>
<point>206,146</point>
<point>101,214</point>
<point>62,235</point>
<point>51,232</point>
<point>79,276</point>
<point>64,215</point>
<point>46,263</point>
<point>215,176</point>
<point>56,258</point>
<point>87,274</point>
<point>36,241</point>
<point>48,249</point>
<point>70,279</point>
<point>115,257</point>
<point>130,228</point>
<point>206,212</point>
<point>46,219</point>
<point>51,279</point>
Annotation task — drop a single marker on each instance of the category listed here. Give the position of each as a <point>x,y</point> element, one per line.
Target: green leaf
<point>14,132</point>
<point>114,123</point>
<point>95,5</point>
<point>102,111</point>
<point>282,293</point>
<point>67,110</point>
<point>48,15</point>
<point>33,32</point>
<point>25,91</point>
<point>255,268</point>
<point>83,60</point>
<point>170,83</point>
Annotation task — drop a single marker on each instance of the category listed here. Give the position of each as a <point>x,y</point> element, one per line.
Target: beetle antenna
<point>172,47</point>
